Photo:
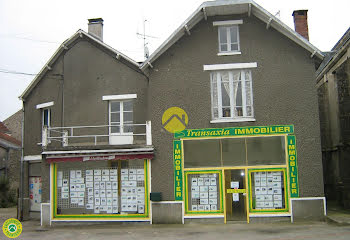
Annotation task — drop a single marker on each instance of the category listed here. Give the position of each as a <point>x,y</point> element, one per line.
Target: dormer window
<point>228,37</point>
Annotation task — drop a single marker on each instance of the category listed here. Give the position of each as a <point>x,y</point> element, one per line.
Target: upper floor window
<point>232,96</point>
<point>46,115</point>
<point>228,36</point>
<point>121,115</point>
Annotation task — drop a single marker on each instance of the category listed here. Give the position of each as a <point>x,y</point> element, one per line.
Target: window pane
<point>248,93</point>
<point>268,190</point>
<point>215,113</point>
<point>238,94</point>
<point>234,34</point>
<point>115,106</point>
<point>203,192</point>
<point>249,111</point>
<point>223,35</point>
<point>223,48</point>
<point>202,153</point>
<point>233,152</point>
<point>46,117</point>
<point>234,47</point>
<point>238,111</point>
<point>115,117</point>
<point>127,105</point>
<point>266,150</point>
<point>226,112</point>
<point>128,117</point>
<point>115,129</point>
<point>128,127</point>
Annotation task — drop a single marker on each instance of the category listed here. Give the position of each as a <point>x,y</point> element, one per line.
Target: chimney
<point>300,23</point>
<point>95,28</point>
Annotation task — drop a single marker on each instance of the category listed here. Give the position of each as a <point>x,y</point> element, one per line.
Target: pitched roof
<point>227,7</point>
<point>3,128</point>
<point>64,47</point>
<point>8,141</point>
<point>334,55</point>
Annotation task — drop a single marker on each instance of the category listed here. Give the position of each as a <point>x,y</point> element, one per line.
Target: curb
<point>332,220</point>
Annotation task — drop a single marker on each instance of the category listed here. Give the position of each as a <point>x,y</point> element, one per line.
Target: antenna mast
<point>144,36</point>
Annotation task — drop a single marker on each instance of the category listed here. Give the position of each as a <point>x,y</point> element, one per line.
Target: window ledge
<point>229,53</point>
<point>233,120</point>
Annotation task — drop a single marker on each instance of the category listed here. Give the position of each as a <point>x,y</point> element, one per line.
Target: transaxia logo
<point>174,119</point>
<point>12,228</point>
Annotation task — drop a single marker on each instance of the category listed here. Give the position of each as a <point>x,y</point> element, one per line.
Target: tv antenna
<point>145,42</point>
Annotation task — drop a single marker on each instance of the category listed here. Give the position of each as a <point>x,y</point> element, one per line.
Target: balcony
<point>126,134</point>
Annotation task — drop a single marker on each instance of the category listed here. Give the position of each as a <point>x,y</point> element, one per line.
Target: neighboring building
<point>10,153</point>
<point>333,80</point>
<point>245,84</point>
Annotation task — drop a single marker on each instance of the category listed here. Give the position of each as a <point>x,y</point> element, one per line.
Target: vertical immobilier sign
<point>293,167</point>
<point>178,170</point>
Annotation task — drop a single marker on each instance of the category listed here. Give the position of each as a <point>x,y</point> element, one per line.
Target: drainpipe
<point>22,168</point>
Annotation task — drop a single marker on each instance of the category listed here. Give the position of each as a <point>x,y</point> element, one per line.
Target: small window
<point>231,93</point>
<point>228,39</point>
<point>121,116</point>
<point>46,117</point>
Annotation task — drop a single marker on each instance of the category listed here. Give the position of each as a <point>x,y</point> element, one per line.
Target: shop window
<point>268,190</point>
<point>232,95</point>
<point>204,192</point>
<point>202,153</point>
<point>231,152</point>
<point>102,188</point>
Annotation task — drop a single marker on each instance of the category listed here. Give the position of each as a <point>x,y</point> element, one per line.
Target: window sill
<point>229,53</point>
<point>233,120</point>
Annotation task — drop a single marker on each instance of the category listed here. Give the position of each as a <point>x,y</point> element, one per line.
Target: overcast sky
<point>31,31</point>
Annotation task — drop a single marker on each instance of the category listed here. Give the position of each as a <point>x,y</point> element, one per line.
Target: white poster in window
<point>72,174</point>
<point>91,199</point>
<point>140,189</point>
<point>263,181</point>
<point>78,174</point>
<point>74,200</point>
<point>259,204</point>
<point>103,201</point>
<point>97,172</point>
<point>113,178</point>
<point>277,178</point>
<point>89,178</point>
<point>109,193</point>
<point>124,171</point>
<point>132,171</point>
<point>207,181</point>
<point>65,195</point>
<point>97,201</point>
<point>204,201</point>
<point>114,193</point>
<point>97,178</point>
<point>263,174</point>
<point>269,174</point>
<point>65,183</point>
<point>115,209</point>
<point>200,181</point>
<point>277,184</point>
<point>213,181</point>
<point>257,190</point>
<point>212,189</point>
<point>270,190</point>
<point>268,204</point>
<point>105,172</point>
<point>124,177</point>
<point>141,209</point>
<point>97,185</point>
<point>140,177</point>
<point>257,182</point>
<point>213,207</point>
<point>89,184</point>
<point>263,190</point>
<point>72,188</point>
<point>65,189</point>
<point>213,195</point>
<point>277,204</point>
<point>59,182</point>
<point>195,189</point>
<point>269,181</point>
<point>194,207</point>
<point>277,191</point>
<point>96,209</point>
<point>113,172</point>
<point>102,185</point>
<point>109,209</point>
<point>268,198</point>
<point>277,197</point>
<point>235,197</point>
<point>109,201</point>
<point>115,201</point>
<point>77,187</point>
<point>257,174</point>
<point>204,188</point>
<point>194,182</point>
<point>132,183</point>
<point>108,185</point>
<point>74,194</point>
<point>59,175</point>
<point>140,171</point>
<point>89,206</point>
<point>213,201</point>
<point>235,184</point>
<point>207,207</point>
<point>276,173</point>
<point>89,172</point>
<point>81,194</point>
<point>97,193</point>
<point>105,178</point>
<point>132,177</point>
<point>260,198</point>
<point>195,195</point>
<point>102,193</point>
<point>203,195</point>
<point>80,201</point>
<point>200,208</point>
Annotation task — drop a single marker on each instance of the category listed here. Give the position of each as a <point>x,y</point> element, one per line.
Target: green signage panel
<point>235,131</point>
<point>293,167</point>
<point>178,170</point>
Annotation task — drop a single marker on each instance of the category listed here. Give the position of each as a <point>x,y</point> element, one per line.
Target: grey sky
<point>31,31</point>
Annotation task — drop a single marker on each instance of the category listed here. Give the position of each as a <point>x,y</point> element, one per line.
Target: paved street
<point>275,231</point>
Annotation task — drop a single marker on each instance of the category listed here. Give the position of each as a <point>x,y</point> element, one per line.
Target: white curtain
<point>236,80</point>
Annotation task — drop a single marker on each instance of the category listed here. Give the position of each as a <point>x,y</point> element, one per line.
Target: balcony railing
<point>98,135</point>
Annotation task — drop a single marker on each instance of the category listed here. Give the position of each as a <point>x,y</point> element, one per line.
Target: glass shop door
<point>235,193</point>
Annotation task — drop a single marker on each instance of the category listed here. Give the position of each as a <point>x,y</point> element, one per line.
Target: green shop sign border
<point>235,131</point>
